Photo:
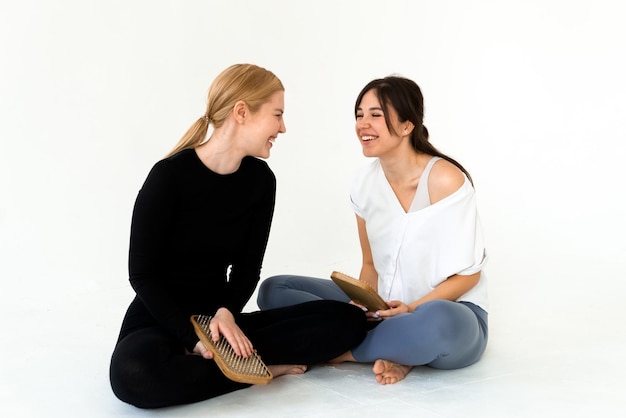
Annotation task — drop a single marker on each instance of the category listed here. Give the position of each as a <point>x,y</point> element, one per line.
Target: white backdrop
<point>528,95</point>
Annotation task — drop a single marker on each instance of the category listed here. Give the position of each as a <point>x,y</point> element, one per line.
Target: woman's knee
<point>128,379</point>
<point>342,322</point>
<point>359,325</point>
<point>441,322</point>
<point>442,312</point>
<point>349,320</point>
<point>274,282</point>
<point>135,367</point>
<point>455,330</point>
<point>268,289</point>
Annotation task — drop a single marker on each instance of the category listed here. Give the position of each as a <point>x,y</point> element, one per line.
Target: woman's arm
<point>246,268</point>
<point>450,289</point>
<point>368,272</point>
<point>153,215</point>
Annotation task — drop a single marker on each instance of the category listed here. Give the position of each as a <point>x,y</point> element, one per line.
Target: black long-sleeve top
<point>190,227</point>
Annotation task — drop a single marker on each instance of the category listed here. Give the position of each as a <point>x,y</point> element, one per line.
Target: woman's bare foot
<point>387,372</point>
<point>282,369</point>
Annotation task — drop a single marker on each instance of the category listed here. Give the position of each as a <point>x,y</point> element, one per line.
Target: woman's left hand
<point>396,307</point>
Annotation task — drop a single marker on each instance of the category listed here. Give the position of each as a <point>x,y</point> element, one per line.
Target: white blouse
<point>414,252</point>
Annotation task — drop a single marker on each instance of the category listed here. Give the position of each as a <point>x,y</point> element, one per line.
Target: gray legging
<point>440,333</point>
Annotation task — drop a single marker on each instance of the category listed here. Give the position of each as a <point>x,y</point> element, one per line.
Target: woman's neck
<point>220,153</point>
<point>404,167</point>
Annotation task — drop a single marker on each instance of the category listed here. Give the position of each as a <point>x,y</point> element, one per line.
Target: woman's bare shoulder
<point>445,178</point>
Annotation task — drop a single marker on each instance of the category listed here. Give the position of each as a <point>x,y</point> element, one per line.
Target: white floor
<point>557,349</point>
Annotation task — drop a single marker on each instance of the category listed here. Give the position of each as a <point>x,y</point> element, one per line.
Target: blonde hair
<point>248,82</point>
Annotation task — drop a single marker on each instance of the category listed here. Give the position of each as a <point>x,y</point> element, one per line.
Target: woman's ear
<point>240,111</point>
<point>408,128</point>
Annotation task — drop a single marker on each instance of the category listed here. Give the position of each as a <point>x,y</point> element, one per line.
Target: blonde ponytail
<point>248,82</point>
<point>194,136</point>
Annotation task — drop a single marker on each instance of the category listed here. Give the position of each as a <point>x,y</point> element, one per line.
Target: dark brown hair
<point>405,97</point>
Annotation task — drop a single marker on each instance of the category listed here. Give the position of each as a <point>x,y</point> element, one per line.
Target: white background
<point>527,95</point>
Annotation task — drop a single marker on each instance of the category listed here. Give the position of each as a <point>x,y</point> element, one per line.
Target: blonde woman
<point>199,231</point>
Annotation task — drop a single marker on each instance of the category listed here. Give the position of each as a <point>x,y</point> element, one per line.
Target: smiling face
<point>372,130</point>
<point>265,125</point>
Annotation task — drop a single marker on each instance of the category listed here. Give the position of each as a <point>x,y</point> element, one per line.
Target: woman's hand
<point>371,316</point>
<point>395,308</point>
<point>201,350</point>
<point>223,323</point>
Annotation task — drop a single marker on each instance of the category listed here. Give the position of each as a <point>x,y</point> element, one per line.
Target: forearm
<point>369,275</point>
<point>450,289</point>
<point>246,267</point>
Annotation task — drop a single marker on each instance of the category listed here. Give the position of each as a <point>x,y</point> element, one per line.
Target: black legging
<point>150,369</point>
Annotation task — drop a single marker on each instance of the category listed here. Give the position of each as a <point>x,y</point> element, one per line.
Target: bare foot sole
<point>282,369</point>
<point>387,372</point>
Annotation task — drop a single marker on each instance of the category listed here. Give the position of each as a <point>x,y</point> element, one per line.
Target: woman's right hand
<point>223,323</point>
